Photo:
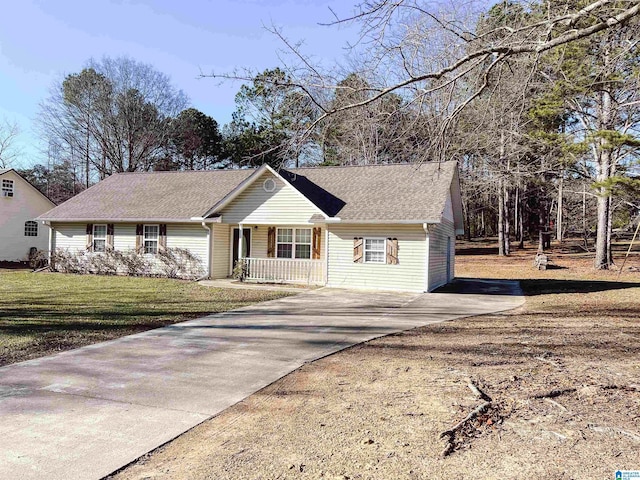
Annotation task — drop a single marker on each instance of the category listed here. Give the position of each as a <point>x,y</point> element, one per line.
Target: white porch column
<point>240,237</point>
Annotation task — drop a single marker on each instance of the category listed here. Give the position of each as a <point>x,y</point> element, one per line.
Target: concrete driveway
<point>84,413</point>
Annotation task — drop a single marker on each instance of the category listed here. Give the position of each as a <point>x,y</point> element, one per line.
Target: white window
<point>303,243</point>
<point>375,250</point>
<point>7,188</point>
<point>30,228</point>
<point>151,238</point>
<point>293,243</point>
<point>99,238</point>
<point>284,243</point>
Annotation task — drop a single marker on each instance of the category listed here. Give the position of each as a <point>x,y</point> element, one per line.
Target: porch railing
<point>285,270</point>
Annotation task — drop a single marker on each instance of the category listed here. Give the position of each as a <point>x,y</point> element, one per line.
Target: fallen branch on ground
<point>479,410</point>
<point>558,392</point>
<point>554,393</point>
<point>626,388</point>
<point>618,431</point>
<point>550,362</point>
<point>553,402</point>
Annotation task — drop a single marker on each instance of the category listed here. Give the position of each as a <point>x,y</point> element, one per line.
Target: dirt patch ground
<point>562,373</point>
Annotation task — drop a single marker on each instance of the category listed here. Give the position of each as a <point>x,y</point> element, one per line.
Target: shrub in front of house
<point>170,263</point>
<point>180,263</point>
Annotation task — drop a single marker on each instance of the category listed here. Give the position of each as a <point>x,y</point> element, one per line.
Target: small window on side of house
<point>30,228</point>
<point>7,188</point>
<point>374,250</point>
<point>99,238</point>
<point>150,238</point>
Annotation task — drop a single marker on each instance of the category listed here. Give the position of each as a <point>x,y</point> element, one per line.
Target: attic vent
<point>269,185</point>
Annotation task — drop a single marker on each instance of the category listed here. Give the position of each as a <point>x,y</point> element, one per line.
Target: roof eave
<point>334,220</point>
<point>129,220</point>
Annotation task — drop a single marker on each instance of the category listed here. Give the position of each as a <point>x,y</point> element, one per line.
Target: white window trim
<point>30,223</point>
<point>8,191</point>
<point>144,238</point>
<point>384,250</point>
<point>93,233</point>
<point>294,243</point>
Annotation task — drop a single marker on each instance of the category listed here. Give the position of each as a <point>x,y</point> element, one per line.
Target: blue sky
<point>41,41</point>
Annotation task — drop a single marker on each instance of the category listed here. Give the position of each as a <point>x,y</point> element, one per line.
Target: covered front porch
<point>278,254</point>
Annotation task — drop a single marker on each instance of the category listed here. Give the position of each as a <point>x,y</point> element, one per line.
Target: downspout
<point>425,227</point>
<point>208,262</point>
<point>51,240</point>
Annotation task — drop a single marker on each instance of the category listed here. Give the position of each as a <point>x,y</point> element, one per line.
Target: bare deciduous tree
<point>9,131</point>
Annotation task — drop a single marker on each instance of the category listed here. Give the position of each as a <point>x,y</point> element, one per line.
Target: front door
<point>246,244</point>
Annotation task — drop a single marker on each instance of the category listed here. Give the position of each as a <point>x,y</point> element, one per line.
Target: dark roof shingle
<point>379,193</point>
<point>152,195</point>
<point>387,193</point>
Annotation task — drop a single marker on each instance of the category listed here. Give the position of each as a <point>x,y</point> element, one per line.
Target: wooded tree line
<point>538,101</point>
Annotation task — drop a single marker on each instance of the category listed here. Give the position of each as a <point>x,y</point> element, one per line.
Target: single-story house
<point>20,204</point>
<point>375,227</point>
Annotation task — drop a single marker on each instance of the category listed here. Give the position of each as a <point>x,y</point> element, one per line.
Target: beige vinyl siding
<point>407,275</point>
<point>285,205</point>
<point>438,234</point>
<point>25,205</point>
<point>192,237</point>
<point>124,236</point>
<point>71,236</point>
<point>220,250</point>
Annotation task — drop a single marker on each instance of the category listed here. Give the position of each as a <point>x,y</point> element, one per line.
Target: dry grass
<point>562,372</point>
<point>42,313</point>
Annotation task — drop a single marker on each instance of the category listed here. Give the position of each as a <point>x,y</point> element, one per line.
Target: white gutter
<point>208,262</point>
<point>379,222</point>
<point>129,220</point>
<point>211,219</point>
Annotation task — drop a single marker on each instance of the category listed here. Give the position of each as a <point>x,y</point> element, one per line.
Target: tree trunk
<point>86,158</point>
<point>602,257</point>
<point>604,169</point>
<point>521,226</point>
<point>584,215</point>
<point>501,244</point>
<point>559,214</point>
<point>609,232</point>
<point>542,211</point>
<point>516,214</point>
<point>467,220</point>
<point>507,224</point>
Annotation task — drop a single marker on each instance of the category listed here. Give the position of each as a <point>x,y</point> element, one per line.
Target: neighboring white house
<point>375,227</point>
<point>20,204</point>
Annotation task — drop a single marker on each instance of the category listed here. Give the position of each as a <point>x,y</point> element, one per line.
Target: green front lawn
<point>42,314</point>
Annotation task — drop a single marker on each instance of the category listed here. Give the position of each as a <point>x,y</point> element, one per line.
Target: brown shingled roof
<point>379,193</point>
<point>386,193</point>
<point>149,196</point>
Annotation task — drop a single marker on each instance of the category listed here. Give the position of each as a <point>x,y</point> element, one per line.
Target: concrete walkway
<point>84,413</point>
